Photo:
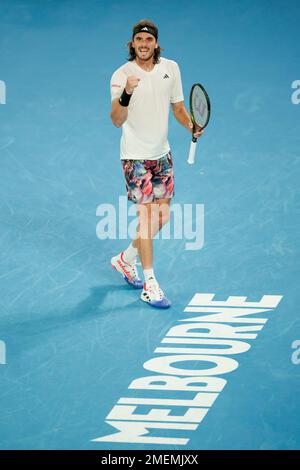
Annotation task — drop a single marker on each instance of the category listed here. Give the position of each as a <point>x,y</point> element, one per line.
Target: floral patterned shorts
<point>147,180</point>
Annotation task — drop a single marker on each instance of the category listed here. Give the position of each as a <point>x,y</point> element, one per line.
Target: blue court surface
<point>73,335</point>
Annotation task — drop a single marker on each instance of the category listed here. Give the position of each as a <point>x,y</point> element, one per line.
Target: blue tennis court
<point>75,341</point>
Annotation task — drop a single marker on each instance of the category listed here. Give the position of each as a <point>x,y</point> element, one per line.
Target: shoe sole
<point>156,306</point>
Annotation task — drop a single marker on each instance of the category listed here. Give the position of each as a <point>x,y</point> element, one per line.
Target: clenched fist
<point>131,84</point>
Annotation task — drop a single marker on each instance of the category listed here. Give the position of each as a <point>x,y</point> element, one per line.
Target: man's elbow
<point>178,109</point>
<point>176,114</point>
<point>115,121</point>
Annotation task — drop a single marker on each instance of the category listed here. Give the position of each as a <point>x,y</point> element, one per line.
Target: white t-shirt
<point>145,131</point>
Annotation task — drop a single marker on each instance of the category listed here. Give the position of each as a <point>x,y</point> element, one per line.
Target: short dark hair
<point>131,51</point>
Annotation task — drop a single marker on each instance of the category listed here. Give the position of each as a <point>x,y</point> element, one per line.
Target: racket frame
<point>191,158</point>
<point>194,139</point>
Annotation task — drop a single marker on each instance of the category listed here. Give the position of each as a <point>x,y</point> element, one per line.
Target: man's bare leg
<point>152,217</point>
<point>143,242</point>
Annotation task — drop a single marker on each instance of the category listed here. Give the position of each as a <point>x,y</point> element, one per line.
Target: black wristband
<point>124,98</point>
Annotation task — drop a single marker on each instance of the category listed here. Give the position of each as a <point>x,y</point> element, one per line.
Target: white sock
<point>148,274</point>
<point>130,254</point>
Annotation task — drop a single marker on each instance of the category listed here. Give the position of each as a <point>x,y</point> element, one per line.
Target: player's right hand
<point>198,130</point>
<point>131,84</point>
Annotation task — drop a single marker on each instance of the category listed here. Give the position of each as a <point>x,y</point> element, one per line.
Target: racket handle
<point>191,159</point>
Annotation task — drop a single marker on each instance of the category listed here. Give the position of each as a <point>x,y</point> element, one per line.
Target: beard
<point>144,55</point>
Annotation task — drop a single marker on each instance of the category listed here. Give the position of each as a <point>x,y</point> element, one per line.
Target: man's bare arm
<point>181,114</point>
<point>118,113</point>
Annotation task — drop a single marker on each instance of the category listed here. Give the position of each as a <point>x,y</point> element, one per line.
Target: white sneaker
<point>153,295</point>
<point>128,270</point>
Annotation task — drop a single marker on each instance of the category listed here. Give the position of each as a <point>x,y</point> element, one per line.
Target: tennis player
<point>141,91</point>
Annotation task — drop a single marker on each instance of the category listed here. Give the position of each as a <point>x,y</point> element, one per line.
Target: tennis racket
<point>200,114</point>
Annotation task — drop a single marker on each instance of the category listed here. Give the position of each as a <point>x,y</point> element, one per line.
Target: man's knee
<point>164,212</point>
<point>145,220</point>
<point>144,212</point>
